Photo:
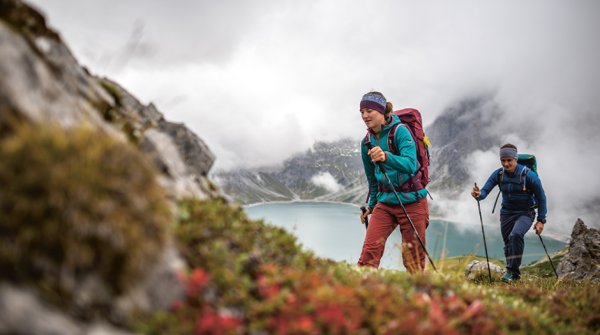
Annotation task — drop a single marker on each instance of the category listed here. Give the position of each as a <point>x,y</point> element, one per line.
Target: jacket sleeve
<point>489,185</point>
<point>406,160</point>
<point>370,173</point>
<point>540,195</point>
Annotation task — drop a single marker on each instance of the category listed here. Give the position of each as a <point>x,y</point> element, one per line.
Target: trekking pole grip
<point>364,210</point>
<point>370,146</point>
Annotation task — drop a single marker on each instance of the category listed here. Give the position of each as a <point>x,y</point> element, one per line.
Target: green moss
<point>133,134</point>
<point>113,90</point>
<point>113,113</point>
<point>76,205</point>
<point>110,112</point>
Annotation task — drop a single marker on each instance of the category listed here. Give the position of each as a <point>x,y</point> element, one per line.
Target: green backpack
<point>528,160</point>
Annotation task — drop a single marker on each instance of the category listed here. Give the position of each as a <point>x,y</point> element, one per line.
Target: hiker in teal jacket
<point>386,212</point>
<point>522,192</point>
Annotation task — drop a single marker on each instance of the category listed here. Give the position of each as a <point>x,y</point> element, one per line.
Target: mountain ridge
<point>293,179</point>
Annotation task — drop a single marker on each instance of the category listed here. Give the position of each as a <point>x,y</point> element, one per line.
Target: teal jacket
<point>398,167</point>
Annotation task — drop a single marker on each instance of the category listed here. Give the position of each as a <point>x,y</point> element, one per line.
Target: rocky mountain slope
<point>460,130</point>
<point>41,81</point>
<point>78,157</point>
<point>297,178</point>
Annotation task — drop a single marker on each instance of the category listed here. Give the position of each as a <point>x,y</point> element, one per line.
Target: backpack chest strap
<point>512,180</point>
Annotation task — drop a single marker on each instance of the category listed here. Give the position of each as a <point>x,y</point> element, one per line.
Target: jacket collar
<point>390,122</point>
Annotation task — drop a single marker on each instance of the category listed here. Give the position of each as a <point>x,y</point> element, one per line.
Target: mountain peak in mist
<point>460,130</point>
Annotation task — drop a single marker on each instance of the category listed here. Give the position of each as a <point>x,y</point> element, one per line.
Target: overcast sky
<point>259,80</point>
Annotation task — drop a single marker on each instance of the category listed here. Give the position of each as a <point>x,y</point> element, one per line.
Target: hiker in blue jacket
<point>522,192</point>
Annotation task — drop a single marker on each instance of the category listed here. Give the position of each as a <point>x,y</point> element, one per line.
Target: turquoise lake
<point>333,230</point>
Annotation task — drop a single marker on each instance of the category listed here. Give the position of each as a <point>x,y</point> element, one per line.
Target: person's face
<point>509,163</point>
<point>372,118</point>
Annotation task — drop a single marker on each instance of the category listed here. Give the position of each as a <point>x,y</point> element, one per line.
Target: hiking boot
<point>509,277</point>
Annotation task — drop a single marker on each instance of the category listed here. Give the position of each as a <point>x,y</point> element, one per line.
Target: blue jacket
<point>398,167</point>
<point>514,199</point>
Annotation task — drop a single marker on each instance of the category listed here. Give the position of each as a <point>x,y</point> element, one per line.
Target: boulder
<point>479,270</point>
<point>582,261</point>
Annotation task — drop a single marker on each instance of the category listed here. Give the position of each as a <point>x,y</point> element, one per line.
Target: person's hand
<point>377,155</point>
<point>475,192</point>
<point>363,215</point>
<point>538,227</point>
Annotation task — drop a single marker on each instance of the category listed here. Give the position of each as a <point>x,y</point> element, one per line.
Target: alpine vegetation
<point>110,224</point>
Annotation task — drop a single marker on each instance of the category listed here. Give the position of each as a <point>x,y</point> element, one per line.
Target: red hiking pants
<point>383,221</point>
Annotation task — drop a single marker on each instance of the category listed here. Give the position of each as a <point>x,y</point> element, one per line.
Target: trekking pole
<point>363,209</point>
<point>484,242</point>
<point>370,146</point>
<point>550,259</point>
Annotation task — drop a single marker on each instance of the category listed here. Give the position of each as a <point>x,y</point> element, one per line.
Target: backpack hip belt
<point>414,184</point>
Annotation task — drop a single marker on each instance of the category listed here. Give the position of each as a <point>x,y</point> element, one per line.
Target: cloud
<point>262,80</point>
<point>327,181</point>
<point>463,209</point>
<point>187,31</point>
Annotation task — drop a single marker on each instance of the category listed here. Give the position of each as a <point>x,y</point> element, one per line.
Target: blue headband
<point>508,152</point>
<point>373,101</point>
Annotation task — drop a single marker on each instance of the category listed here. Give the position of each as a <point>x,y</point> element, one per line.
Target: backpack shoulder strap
<point>367,139</point>
<point>500,179</point>
<point>391,139</point>
<point>523,177</point>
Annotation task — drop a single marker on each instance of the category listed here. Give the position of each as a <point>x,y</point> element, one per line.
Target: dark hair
<point>508,145</point>
<point>388,105</point>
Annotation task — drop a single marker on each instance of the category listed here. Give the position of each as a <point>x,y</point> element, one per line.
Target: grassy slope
<point>248,277</point>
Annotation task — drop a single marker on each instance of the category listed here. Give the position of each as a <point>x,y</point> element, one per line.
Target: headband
<point>508,152</point>
<point>373,101</point>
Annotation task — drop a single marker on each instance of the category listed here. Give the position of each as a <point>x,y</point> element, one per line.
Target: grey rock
<point>582,260</point>
<point>21,312</point>
<point>41,81</point>
<point>159,288</point>
<point>131,108</point>
<point>476,269</point>
<point>195,153</point>
<point>29,88</point>
<point>176,178</point>
<point>17,306</point>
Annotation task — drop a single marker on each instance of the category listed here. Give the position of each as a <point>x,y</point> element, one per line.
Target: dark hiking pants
<point>513,228</point>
